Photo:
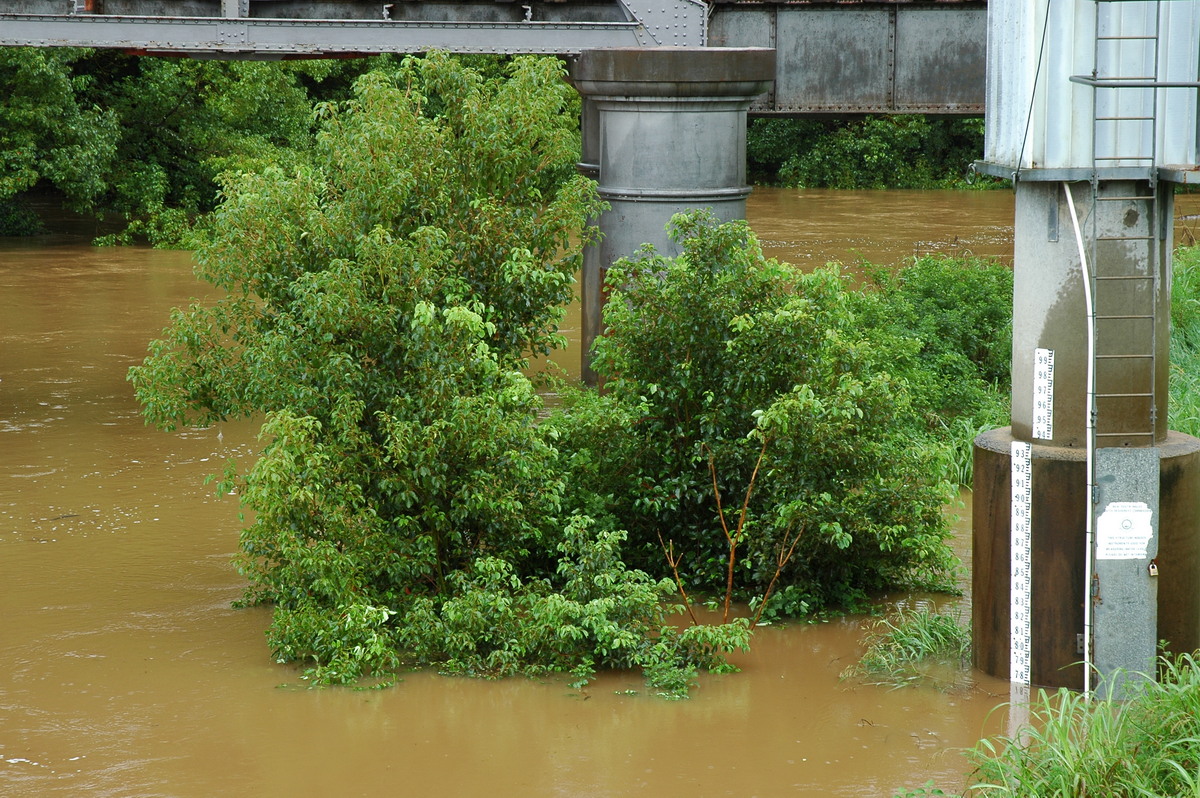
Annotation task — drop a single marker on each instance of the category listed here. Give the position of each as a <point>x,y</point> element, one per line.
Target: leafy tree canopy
<point>767,432</point>
<point>407,506</point>
<point>47,131</point>
<point>760,433</point>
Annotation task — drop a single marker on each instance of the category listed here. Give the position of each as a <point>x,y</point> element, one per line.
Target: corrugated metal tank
<point>1038,118</point>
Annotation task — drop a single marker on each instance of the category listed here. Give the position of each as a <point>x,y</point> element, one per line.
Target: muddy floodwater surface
<point>124,671</point>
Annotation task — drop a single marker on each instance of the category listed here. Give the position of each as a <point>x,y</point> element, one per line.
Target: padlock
<point>1153,567</point>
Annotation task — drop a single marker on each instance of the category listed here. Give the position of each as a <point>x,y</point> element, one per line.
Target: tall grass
<point>1184,406</point>
<point>1146,747</point>
<point>909,646</point>
<point>960,434</point>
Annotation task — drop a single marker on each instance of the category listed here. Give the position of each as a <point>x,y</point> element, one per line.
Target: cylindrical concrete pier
<point>669,130</point>
<point>1132,258</point>
<point>1058,555</point>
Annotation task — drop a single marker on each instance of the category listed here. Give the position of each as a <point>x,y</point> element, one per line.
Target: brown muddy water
<point>125,672</point>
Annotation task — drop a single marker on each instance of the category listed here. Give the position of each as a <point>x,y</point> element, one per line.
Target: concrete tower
<point>1087,546</point>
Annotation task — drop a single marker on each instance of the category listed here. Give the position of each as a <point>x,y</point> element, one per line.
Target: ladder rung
<point>1142,316</point>
<point>1124,199</point>
<point>1124,119</point>
<point>1123,158</point>
<point>1121,395</point>
<point>1124,357</point>
<point>1131,38</point>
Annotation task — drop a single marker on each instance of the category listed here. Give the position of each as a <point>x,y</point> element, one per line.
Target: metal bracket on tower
<point>1126,550</point>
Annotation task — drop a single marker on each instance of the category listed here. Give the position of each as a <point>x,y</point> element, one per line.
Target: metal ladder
<point>1124,119</point>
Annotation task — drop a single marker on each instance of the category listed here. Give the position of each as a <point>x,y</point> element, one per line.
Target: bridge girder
<point>268,29</point>
<point>834,58</point>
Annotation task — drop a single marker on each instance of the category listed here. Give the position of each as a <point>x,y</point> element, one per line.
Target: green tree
<point>185,122</point>
<point>48,131</point>
<point>767,433</point>
<point>378,299</point>
<point>902,151</point>
<point>407,506</point>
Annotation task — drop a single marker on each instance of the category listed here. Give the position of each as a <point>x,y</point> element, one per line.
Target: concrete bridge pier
<point>665,130</point>
<point>1130,223</point>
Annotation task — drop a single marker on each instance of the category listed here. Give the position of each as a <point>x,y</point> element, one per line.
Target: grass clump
<point>909,646</point>
<point>1184,405</point>
<point>1146,747</point>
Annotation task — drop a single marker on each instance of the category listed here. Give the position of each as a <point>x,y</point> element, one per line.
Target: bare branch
<point>673,561</point>
<point>781,561</point>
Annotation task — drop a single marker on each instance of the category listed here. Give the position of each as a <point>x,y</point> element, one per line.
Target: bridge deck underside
<point>833,58</point>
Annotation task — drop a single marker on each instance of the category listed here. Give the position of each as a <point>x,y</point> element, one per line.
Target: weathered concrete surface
<point>666,128</point>
<point>1049,309</point>
<point>1059,551</point>
<point>1125,609</point>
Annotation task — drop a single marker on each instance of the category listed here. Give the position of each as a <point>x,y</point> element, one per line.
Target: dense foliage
<point>871,152</point>
<point>763,433</point>
<point>406,505</point>
<point>145,138</point>
<point>140,142</point>
<point>758,428</point>
<point>960,309</point>
<point>48,134</point>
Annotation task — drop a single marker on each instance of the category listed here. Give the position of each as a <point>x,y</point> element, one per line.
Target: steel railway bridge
<point>832,58</point>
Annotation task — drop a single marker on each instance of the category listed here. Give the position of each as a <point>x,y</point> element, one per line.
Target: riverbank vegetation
<point>138,143</point>
<point>1148,745</point>
<point>906,151</point>
<point>766,435</point>
<point>1184,405</point>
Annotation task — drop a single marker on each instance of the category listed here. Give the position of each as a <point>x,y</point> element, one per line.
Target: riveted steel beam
<point>864,57</point>
<point>267,38</point>
<point>834,59</point>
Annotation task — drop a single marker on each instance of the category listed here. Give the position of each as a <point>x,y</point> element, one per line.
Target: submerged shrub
<point>900,648</point>
<point>960,309</point>
<point>593,613</point>
<point>759,436</point>
<point>765,435</point>
<point>407,508</point>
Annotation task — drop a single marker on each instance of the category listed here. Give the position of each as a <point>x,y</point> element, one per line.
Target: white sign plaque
<point>1123,531</point>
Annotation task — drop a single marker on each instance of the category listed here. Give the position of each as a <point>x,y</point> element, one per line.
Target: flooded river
<point>125,672</point>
